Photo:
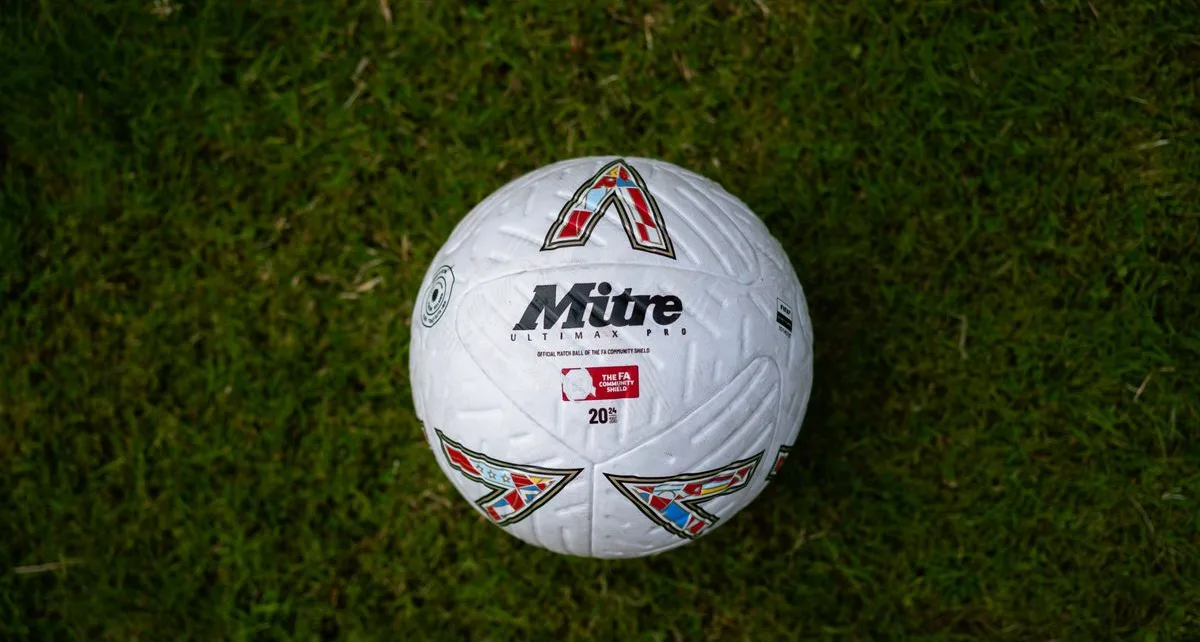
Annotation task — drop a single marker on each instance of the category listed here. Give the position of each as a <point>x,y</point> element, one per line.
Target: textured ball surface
<point>610,356</point>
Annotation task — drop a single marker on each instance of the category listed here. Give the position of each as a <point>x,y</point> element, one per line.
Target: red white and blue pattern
<point>619,184</point>
<point>674,502</point>
<point>780,457</point>
<point>517,490</point>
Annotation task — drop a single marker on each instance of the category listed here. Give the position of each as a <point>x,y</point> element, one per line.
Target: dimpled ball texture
<point>610,357</point>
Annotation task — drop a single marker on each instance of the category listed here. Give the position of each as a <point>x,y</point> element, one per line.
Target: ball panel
<point>461,410</point>
<point>736,424</point>
<point>797,371</point>
<point>540,335</point>
<point>506,232</point>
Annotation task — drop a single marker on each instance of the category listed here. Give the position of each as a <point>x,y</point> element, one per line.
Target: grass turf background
<point>214,217</point>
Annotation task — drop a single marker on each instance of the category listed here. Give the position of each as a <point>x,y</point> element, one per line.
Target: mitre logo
<point>579,304</point>
<point>617,184</point>
<point>593,305</point>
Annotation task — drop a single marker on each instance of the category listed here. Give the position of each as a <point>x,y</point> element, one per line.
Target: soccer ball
<point>610,357</point>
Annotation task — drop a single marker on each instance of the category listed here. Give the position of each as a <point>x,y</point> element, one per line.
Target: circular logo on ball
<point>437,297</point>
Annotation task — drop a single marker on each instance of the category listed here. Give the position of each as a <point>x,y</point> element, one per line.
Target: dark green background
<point>214,217</point>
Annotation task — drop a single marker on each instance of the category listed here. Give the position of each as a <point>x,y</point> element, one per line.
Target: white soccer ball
<point>610,357</point>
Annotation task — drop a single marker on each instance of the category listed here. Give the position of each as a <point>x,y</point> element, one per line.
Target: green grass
<point>992,206</point>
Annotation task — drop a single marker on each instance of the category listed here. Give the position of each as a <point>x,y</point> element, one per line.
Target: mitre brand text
<point>593,305</point>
